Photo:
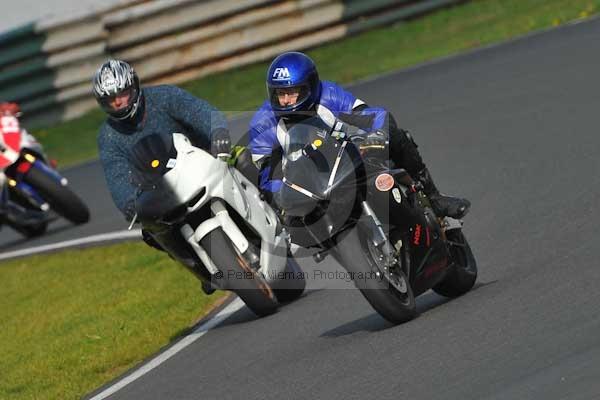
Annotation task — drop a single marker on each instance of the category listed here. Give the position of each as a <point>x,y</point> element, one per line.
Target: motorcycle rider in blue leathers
<point>296,92</point>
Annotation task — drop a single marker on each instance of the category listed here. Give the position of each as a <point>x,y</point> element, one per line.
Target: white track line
<point>104,237</point>
<point>176,348</point>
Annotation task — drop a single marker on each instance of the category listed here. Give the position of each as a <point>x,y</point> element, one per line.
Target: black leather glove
<point>220,143</point>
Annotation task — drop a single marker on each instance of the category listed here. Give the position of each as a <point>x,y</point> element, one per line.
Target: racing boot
<point>443,206</point>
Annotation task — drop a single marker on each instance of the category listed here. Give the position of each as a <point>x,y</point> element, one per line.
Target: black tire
<point>30,231</point>
<point>462,276</point>
<point>383,295</point>
<point>61,198</point>
<point>295,287</point>
<point>251,286</point>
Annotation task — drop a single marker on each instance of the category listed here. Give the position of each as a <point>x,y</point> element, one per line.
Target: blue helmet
<point>293,70</point>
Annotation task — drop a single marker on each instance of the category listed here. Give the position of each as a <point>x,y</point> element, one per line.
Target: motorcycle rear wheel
<point>61,198</point>
<point>461,278</point>
<point>240,277</point>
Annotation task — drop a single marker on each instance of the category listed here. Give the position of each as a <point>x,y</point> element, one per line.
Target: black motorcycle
<point>376,221</point>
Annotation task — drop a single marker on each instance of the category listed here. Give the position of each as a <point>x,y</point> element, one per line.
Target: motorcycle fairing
<point>197,181</point>
<point>11,148</point>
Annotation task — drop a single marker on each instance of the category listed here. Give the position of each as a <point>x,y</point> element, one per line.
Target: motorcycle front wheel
<point>389,293</point>
<point>238,275</point>
<point>61,198</point>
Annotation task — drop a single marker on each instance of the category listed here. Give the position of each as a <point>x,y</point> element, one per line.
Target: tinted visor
<point>119,105</point>
<point>288,98</point>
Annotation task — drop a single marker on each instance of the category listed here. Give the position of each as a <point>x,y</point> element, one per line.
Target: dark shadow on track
<point>431,300</point>
<point>242,316</point>
<point>375,323</point>
<point>245,315</point>
<point>370,323</point>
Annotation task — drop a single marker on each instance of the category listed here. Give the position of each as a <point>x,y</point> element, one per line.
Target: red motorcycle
<point>33,192</point>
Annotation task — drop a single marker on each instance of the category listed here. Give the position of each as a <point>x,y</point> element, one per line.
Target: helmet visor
<point>288,98</point>
<point>119,105</point>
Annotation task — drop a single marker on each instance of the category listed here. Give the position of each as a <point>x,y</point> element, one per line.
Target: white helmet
<point>116,77</point>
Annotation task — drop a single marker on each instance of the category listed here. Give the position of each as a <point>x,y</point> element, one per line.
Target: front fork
<point>377,235</point>
<point>52,173</point>
<point>27,191</point>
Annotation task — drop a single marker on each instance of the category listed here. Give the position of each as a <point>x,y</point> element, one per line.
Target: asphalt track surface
<point>515,129</point>
<point>89,184</point>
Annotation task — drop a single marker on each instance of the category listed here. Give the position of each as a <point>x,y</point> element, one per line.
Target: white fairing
<point>195,169</point>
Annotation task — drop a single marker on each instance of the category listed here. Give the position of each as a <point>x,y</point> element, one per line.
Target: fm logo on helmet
<point>281,74</point>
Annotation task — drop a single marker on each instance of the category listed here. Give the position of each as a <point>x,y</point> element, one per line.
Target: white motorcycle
<point>210,217</point>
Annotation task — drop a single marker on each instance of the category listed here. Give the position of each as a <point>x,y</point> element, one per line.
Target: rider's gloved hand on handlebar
<point>220,143</point>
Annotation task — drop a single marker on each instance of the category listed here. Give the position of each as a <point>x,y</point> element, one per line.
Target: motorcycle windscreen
<point>149,158</point>
<point>323,177</point>
<point>150,161</point>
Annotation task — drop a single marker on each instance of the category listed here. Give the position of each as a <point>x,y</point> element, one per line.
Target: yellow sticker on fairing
<point>318,142</point>
<point>155,163</point>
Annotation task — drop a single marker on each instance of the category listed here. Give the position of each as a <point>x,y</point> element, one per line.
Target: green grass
<point>445,32</point>
<point>70,322</point>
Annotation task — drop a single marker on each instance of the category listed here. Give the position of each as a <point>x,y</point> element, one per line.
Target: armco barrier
<point>47,66</point>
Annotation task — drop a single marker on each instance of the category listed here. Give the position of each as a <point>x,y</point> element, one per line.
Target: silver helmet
<point>116,78</point>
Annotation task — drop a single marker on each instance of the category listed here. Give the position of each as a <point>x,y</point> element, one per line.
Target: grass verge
<point>442,33</point>
<point>75,320</point>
